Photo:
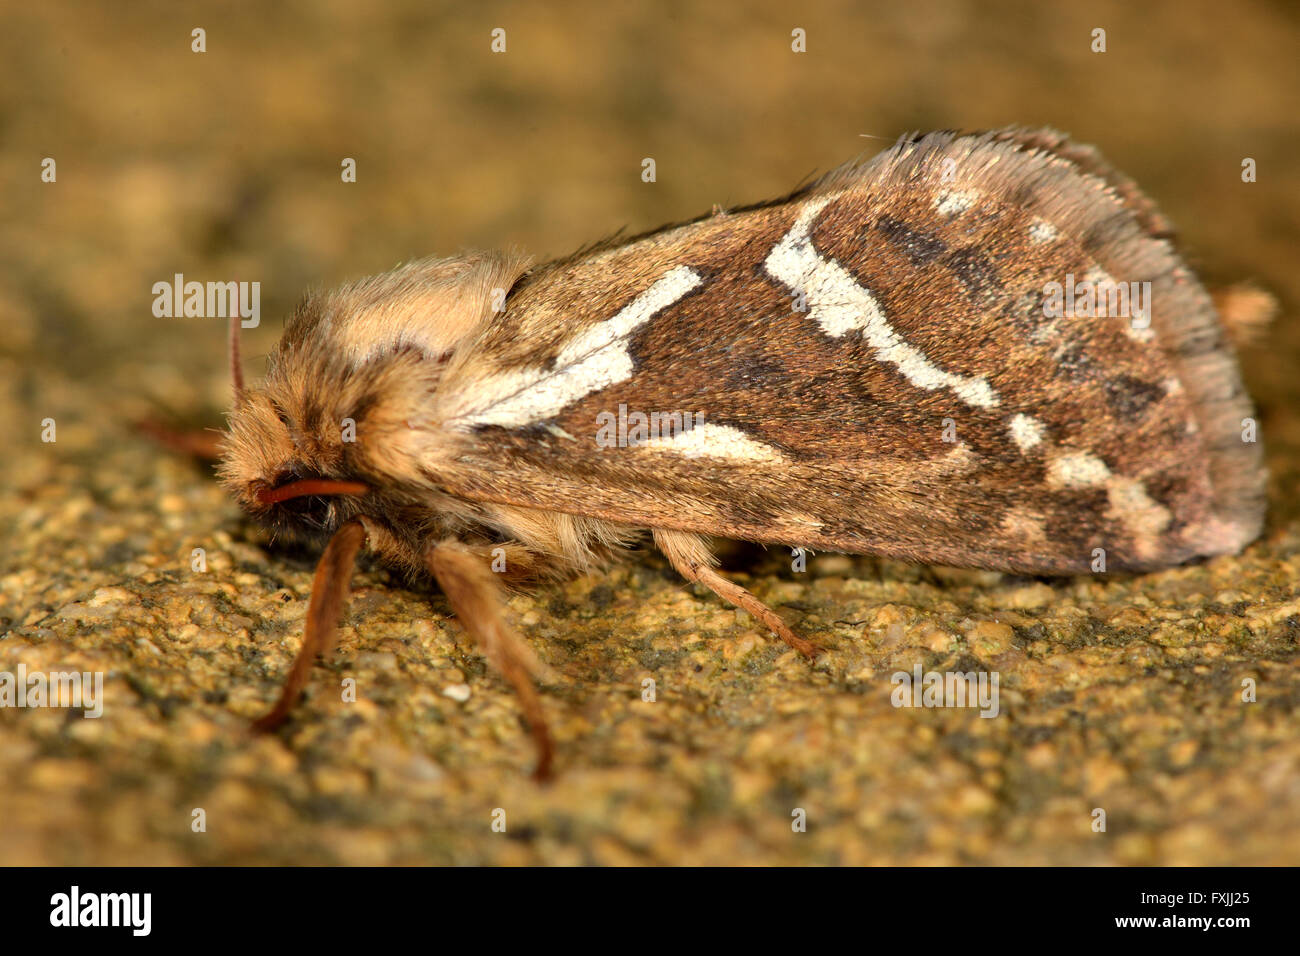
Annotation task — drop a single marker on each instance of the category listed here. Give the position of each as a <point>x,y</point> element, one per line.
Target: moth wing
<point>899,359</point>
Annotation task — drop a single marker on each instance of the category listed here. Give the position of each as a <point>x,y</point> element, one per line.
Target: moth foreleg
<point>474,592</point>
<point>329,589</point>
<point>694,560</point>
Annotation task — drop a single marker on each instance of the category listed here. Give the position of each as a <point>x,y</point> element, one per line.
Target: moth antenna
<point>475,596</point>
<point>236,369</point>
<point>694,561</point>
<point>329,589</point>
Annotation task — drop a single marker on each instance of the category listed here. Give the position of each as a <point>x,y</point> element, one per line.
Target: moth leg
<point>693,559</point>
<point>204,445</point>
<point>475,595</point>
<point>329,589</point>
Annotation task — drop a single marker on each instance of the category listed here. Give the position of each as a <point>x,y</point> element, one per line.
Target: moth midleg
<point>694,560</point>
<point>475,594</point>
<point>329,589</point>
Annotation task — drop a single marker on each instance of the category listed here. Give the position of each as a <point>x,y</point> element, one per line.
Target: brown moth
<point>977,350</point>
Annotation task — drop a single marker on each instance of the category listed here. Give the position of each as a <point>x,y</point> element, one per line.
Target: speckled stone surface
<point>1122,693</point>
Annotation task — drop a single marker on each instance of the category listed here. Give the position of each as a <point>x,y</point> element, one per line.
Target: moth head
<point>335,429</point>
<point>286,457</point>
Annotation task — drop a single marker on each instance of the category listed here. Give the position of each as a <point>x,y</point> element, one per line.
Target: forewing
<point>869,366</point>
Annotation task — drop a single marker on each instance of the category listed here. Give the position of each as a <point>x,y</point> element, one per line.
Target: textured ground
<point>1121,694</point>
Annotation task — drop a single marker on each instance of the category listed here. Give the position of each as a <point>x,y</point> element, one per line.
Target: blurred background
<point>225,164</point>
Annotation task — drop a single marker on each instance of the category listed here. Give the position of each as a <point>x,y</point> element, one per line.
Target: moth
<point>978,350</point>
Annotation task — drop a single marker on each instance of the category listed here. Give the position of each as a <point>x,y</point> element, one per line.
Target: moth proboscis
<point>873,364</point>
